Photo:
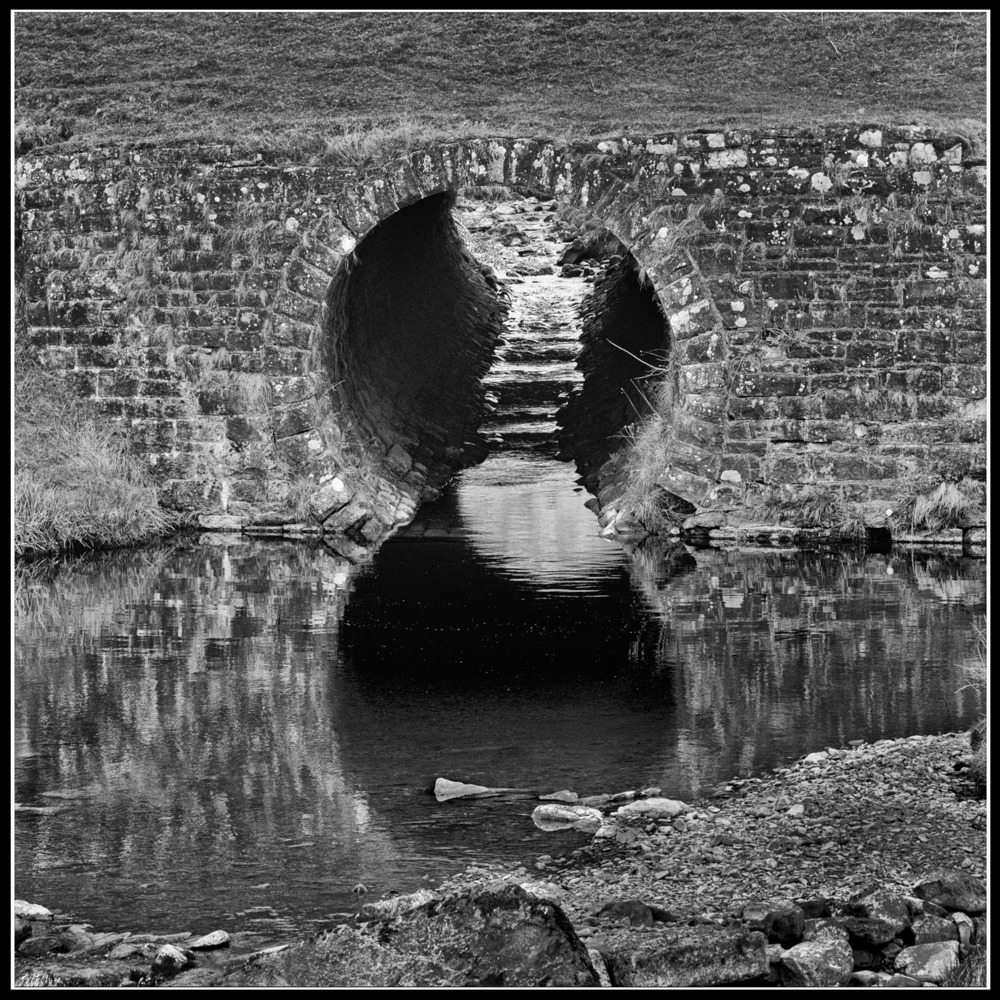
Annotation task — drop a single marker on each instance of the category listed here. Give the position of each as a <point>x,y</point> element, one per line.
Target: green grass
<point>309,78</point>
<point>77,485</point>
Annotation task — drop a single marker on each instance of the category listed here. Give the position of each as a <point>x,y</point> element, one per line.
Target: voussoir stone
<point>954,890</point>
<point>928,962</point>
<point>687,956</point>
<point>823,962</point>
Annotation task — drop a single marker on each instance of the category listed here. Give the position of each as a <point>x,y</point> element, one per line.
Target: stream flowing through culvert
<point>233,734</point>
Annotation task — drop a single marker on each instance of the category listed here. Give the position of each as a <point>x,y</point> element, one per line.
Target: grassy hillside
<point>232,76</point>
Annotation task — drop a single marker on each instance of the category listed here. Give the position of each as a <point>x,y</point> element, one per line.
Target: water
<point>251,728</point>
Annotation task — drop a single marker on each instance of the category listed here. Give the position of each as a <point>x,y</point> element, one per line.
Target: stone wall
<point>825,296</point>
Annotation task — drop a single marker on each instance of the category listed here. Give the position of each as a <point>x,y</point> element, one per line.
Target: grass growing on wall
<point>76,485</point>
<point>114,76</point>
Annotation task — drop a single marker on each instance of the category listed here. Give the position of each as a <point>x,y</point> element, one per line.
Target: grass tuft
<point>947,505</point>
<point>77,484</point>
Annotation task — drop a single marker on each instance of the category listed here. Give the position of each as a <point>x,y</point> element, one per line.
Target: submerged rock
<point>445,789</point>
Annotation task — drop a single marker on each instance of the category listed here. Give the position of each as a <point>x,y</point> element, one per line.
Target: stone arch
<point>312,419</point>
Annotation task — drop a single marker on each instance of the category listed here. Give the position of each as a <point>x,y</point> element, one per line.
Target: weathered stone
<point>31,911</point>
<point>863,977</point>
<point>928,962</point>
<point>780,920</point>
<point>636,913</point>
<point>169,960</point>
<point>824,962</point>
<point>876,915</point>
<point>600,967</point>
<point>41,945</point>
<point>217,939</point>
<point>556,816</point>
<point>900,981</point>
<point>22,930</point>
<point>966,929</point>
<point>928,928</point>
<point>654,808</point>
<point>498,935</point>
<point>445,789</point>
<point>387,909</point>
<point>822,928</point>
<point>219,522</point>
<point>687,956</point>
<point>563,796</point>
<point>954,890</point>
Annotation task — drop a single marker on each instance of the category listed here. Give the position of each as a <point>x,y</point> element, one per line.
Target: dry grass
<point>947,505</point>
<point>76,483</point>
<point>354,80</point>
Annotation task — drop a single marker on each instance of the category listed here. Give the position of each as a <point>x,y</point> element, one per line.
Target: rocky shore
<point>863,866</point>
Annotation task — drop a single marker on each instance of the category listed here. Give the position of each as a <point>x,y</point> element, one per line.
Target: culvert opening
<point>411,330</point>
<point>625,342</point>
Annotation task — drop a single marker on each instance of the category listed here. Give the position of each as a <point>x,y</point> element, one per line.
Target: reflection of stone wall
<point>195,723</point>
<point>787,648</point>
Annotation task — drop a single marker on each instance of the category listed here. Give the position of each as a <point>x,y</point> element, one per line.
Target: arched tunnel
<point>413,325</point>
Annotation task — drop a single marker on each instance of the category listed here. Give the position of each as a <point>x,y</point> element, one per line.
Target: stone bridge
<point>300,347</point>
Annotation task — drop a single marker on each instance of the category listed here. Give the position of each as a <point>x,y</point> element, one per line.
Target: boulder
<point>496,935</point>
<point>31,911</point>
<point>897,981</point>
<point>823,929</point>
<point>927,929</point>
<point>600,967</point>
<point>687,956</point>
<point>636,913</point>
<point>814,909</point>
<point>556,816</point>
<point>654,808</point>
<point>780,920</point>
<point>445,789</point>
<point>965,928</point>
<point>217,939</point>
<point>22,930</point>
<point>876,915</point>
<point>169,960</point>
<point>863,977</point>
<point>953,889</point>
<point>824,962</point>
<point>929,963</point>
<point>40,945</point>
<point>388,909</point>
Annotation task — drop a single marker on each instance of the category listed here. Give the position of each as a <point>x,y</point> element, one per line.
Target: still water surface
<point>252,727</point>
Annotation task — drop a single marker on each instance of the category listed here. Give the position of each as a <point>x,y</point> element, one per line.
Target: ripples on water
<point>247,714</point>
